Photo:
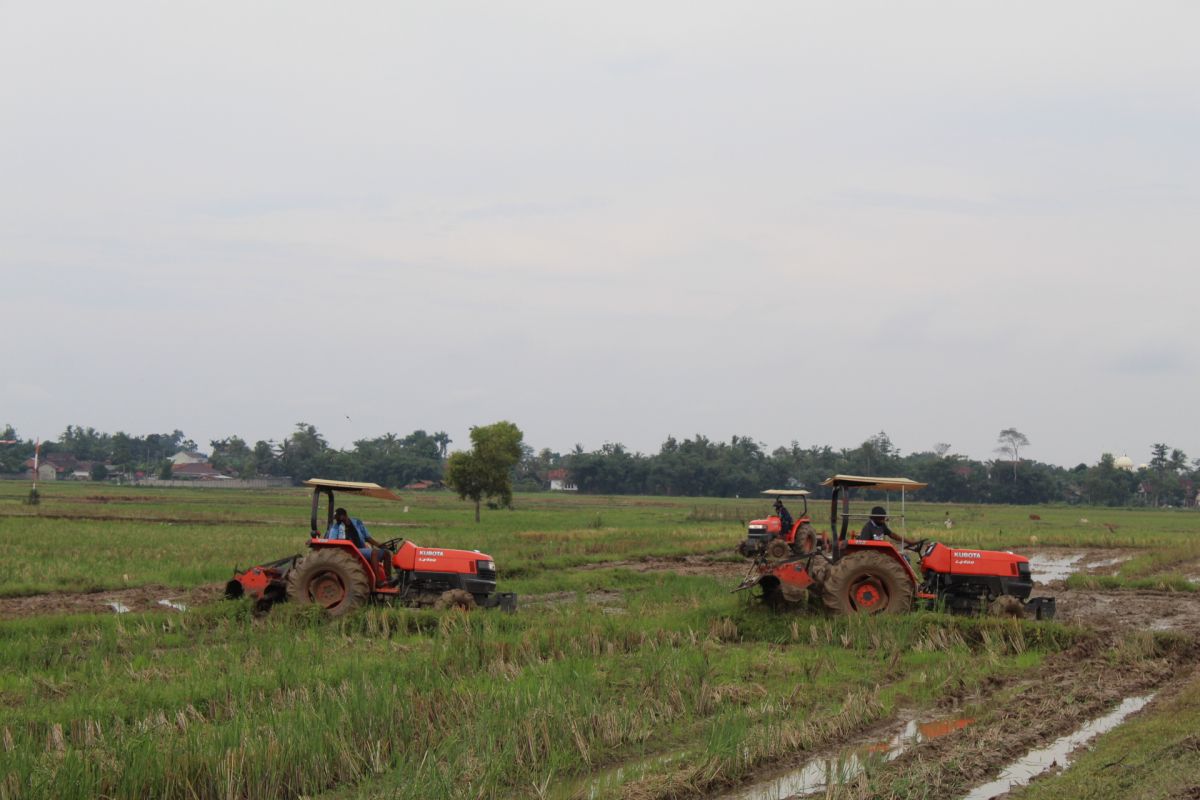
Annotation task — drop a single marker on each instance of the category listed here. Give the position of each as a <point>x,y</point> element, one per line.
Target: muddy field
<point>1102,610</point>
<point>140,598</point>
<point>959,746</point>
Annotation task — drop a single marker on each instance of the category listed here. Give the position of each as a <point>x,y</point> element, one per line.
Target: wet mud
<point>1051,565</point>
<point>202,521</point>
<point>1129,610</point>
<point>140,598</point>
<point>1056,706</point>
<point>818,774</point>
<point>681,565</point>
<point>1058,754</point>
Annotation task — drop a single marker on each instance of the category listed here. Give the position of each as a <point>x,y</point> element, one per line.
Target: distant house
<point>419,486</point>
<point>53,466</point>
<point>202,472</point>
<point>560,481</point>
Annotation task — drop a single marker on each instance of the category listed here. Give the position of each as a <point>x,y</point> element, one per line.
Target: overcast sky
<point>605,221</point>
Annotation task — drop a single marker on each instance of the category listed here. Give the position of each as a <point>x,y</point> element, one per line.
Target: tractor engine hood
<point>768,525</point>
<point>441,559</point>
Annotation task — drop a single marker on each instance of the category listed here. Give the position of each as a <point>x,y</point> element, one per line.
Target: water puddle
<point>1047,567</point>
<point>820,773</point>
<point>1054,568</point>
<point>1038,761</point>
<point>173,604</point>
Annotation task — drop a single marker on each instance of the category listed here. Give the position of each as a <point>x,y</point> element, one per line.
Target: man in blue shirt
<point>351,528</point>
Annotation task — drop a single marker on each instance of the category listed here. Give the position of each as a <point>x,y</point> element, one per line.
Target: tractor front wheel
<point>778,548</point>
<point>329,578</point>
<point>868,583</point>
<point>456,598</point>
<point>1007,606</point>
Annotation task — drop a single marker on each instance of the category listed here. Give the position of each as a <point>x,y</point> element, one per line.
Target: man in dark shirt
<point>346,527</point>
<point>785,516</point>
<point>876,527</point>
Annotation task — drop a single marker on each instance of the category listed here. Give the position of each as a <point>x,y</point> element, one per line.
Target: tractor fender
<point>887,548</point>
<point>347,546</point>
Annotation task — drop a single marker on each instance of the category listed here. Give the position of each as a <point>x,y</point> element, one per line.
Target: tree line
<point>694,467</point>
<point>743,467</point>
<point>390,459</point>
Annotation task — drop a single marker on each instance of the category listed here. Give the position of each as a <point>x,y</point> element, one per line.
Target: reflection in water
<point>1038,761</point>
<point>817,774</point>
<point>1048,567</point>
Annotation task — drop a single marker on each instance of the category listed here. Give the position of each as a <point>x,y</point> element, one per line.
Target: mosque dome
<point>1125,463</point>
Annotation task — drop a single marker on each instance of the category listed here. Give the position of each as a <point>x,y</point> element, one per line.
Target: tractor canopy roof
<point>786,492</point>
<point>864,482</point>
<point>353,487</point>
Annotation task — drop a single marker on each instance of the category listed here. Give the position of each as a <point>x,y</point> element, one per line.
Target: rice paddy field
<point>630,670</point>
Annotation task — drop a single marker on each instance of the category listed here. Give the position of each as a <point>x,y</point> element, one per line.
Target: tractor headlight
<point>485,566</point>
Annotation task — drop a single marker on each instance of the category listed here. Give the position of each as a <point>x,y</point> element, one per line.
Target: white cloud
<point>608,222</point>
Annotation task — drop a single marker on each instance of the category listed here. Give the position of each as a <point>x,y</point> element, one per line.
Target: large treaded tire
<point>868,583</point>
<point>806,540</point>
<point>330,578</point>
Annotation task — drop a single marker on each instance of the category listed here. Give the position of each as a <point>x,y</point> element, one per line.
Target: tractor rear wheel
<point>805,543</point>
<point>330,578</point>
<point>868,582</point>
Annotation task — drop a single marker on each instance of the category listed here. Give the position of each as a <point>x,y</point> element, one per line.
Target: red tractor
<point>334,574</point>
<point>859,576</point>
<point>778,534</point>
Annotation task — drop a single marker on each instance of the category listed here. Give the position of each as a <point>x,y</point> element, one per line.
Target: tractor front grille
<point>487,575</point>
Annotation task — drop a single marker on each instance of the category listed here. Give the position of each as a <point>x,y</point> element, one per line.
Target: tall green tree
<point>1105,484</point>
<point>486,469</point>
<point>1011,441</point>
<point>305,454</point>
<point>232,453</point>
<point>12,456</point>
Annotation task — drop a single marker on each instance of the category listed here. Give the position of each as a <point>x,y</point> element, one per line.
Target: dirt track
<point>139,598</point>
<point>1098,609</point>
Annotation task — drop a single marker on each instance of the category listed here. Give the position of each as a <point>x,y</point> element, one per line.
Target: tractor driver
<point>347,527</point>
<point>785,516</point>
<point>876,527</point>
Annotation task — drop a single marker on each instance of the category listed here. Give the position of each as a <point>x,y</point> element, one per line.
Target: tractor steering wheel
<point>917,546</point>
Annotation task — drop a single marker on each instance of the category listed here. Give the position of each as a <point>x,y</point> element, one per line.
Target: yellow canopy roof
<point>786,492</point>
<point>864,482</point>
<point>354,487</point>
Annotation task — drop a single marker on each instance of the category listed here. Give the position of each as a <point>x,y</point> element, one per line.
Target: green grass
<point>86,536</point>
<point>417,704</point>
<point>694,686</point>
